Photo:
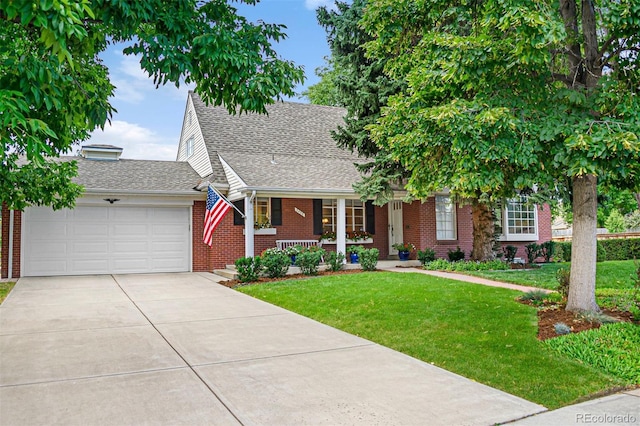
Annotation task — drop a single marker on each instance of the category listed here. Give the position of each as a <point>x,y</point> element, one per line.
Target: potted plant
<point>404,250</point>
<point>353,252</point>
<point>292,252</point>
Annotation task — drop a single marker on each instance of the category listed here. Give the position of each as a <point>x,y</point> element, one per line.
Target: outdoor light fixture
<point>112,200</point>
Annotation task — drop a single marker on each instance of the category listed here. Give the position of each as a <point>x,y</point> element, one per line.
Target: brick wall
<point>17,222</point>
<point>420,229</point>
<point>228,239</point>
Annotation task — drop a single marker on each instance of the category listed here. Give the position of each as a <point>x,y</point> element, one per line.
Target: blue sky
<point>147,124</point>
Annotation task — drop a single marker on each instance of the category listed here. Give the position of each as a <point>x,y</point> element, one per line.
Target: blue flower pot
<point>293,260</point>
<point>403,255</point>
<point>353,257</point>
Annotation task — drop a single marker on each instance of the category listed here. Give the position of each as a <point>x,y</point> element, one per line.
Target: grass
<point>5,289</point>
<point>476,331</point>
<point>612,274</point>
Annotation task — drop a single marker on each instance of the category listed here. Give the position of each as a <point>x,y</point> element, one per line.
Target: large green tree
<point>506,94</point>
<point>359,84</point>
<point>54,89</point>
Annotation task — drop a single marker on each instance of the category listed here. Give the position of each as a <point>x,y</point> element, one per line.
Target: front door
<point>395,225</point>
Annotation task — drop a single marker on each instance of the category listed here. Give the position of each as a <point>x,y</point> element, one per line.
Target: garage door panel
<point>47,231</point>
<point>94,215</point>
<point>130,264</point>
<point>131,247</point>
<point>88,230</point>
<point>88,266</point>
<point>90,248</point>
<point>106,240</point>
<point>162,232</point>
<point>130,230</point>
<point>49,250</point>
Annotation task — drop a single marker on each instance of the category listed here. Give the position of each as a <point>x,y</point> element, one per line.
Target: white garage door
<point>105,240</point>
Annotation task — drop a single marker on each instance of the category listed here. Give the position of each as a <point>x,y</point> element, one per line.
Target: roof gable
<point>289,148</point>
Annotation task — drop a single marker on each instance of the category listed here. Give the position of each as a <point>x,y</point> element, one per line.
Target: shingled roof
<point>142,176</point>
<point>291,148</point>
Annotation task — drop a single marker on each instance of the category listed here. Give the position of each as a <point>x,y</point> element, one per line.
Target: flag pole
<point>228,202</point>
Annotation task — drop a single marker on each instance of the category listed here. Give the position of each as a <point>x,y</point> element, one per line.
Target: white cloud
<point>134,85</point>
<point>314,4</point>
<point>137,142</point>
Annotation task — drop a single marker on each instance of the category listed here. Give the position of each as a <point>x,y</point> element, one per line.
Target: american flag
<point>217,207</point>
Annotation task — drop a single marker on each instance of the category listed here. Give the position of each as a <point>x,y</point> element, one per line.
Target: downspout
<point>10,257</point>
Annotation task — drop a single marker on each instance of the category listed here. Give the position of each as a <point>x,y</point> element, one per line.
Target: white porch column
<point>248,226</point>
<point>341,233</point>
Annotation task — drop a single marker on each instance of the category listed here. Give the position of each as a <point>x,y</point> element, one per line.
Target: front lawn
<point>612,274</point>
<point>476,331</point>
<point>5,289</point>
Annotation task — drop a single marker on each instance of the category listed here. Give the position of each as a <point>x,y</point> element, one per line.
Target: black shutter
<point>276,211</point>
<point>370,213</point>
<point>237,217</point>
<point>317,217</point>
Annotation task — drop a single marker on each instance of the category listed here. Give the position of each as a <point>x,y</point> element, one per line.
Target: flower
<point>351,235</point>
<point>404,246</point>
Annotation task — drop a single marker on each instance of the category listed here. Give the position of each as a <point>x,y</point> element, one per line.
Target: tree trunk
<point>638,199</point>
<point>483,231</point>
<point>582,288</point>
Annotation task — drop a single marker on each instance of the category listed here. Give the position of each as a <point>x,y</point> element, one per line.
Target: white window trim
<point>255,212</point>
<point>454,219</point>
<point>189,147</point>
<point>507,236</point>
<point>353,209</point>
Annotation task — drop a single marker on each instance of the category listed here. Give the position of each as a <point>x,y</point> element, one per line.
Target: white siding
<point>235,182</point>
<point>200,159</point>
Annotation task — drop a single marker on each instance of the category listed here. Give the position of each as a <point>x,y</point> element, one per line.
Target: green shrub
<point>615,222</point>
<point>561,328</point>
<point>249,268</point>
<point>613,249</point>
<point>563,276</point>
<point>456,255</point>
<point>334,260</point>
<point>444,265</point>
<point>547,250</point>
<point>532,250</point>
<point>564,247</point>
<point>309,260</point>
<point>536,297</point>
<point>632,220</point>
<point>369,259</point>
<point>438,265</point>
<point>601,253</point>
<point>275,263</point>
<point>428,255</point>
<point>509,253</point>
<point>612,348</point>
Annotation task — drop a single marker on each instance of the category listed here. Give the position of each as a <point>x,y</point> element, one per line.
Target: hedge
<point>614,249</point>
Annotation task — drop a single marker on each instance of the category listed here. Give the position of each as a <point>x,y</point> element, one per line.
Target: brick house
<point>283,170</point>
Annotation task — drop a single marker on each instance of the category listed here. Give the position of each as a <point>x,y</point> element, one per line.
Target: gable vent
<point>101,152</point>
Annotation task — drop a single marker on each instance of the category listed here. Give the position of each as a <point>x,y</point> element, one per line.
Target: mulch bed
<point>550,315</point>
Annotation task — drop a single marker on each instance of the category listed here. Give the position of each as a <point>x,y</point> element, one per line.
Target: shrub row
<point>614,249</point>
<point>445,265</point>
<point>274,263</point>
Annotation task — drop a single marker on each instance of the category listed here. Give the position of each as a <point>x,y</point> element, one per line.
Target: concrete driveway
<point>182,349</point>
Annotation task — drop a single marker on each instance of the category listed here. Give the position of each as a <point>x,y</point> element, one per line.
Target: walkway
<point>181,349</point>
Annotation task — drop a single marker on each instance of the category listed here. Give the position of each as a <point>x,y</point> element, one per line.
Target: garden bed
<point>549,316</point>
<point>264,280</point>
